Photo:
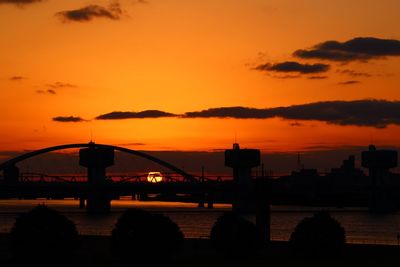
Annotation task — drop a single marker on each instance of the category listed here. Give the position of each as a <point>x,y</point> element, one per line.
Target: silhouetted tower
<point>379,162</point>
<point>242,160</point>
<point>96,160</point>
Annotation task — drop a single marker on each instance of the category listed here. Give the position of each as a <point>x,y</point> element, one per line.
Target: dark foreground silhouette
<point>233,235</point>
<point>43,234</point>
<point>318,235</point>
<point>140,236</point>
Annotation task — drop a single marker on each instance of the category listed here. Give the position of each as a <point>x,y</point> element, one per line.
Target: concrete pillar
<point>242,161</point>
<point>82,203</point>
<point>263,209</point>
<point>96,159</point>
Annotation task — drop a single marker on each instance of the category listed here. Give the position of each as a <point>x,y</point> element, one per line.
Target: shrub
<point>319,234</point>
<point>233,235</point>
<point>43,234</point>
<point>142,236</point>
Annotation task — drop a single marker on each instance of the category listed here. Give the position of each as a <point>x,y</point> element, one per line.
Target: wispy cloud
<point>58,85</point>
<point>318,77</point>
<point>351,82</point>
<point>354,73</point>
<point>292,66</point>
<point>17,78</point>
<point>119,115</point>
<point>48,91</point>
<point>20,3</point>
<point>68,119</point>
<point>90,12</point>
<point>357,49</point>
<point>296,124</point>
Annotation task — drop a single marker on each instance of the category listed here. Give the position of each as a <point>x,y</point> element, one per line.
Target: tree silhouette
<point>43,234</point>
<point>142,236</point>
<point>233,235</point>
<point>319,234</point>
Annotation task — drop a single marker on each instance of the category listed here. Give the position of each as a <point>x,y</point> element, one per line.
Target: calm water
<point>360,226</point>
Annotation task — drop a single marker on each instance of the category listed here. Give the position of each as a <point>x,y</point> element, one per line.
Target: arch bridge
<point>97,191</point>
<point>9,164</point>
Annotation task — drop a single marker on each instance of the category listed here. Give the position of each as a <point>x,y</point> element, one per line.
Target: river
<point>360,226</point>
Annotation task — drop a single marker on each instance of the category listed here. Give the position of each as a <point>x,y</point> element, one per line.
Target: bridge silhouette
<point>13,161</point>
<point>96,189</point>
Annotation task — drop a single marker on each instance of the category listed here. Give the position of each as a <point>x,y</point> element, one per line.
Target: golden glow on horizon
<point>180,56</point>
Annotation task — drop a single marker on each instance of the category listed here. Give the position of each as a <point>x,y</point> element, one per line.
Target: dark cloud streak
<point>351,82</point>
<point>119,115</point>
<point>58,85</point>
<point>20,2</point>
<point>371,113</point>
<point>354,73</point>
<point>292,66</point>
<point>91,12</point>
<point>48,91</point>
<point>68,119</point>
<point>357,49</point>
<point>17,78</point>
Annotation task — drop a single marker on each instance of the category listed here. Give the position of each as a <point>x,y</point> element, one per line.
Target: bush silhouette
<point>43,234</point>
<point>142,236</point>
<point>234,235</point>
<point>319,234</point>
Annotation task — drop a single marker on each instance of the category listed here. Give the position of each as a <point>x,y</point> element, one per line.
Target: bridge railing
<point>139,178</point>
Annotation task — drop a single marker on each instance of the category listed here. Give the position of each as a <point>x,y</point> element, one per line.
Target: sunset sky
<point>297,75</point>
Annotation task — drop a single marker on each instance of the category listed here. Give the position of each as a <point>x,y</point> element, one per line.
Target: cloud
<point>17,78</point>
<point>354,73</point>
<point>231,112</point>
<point>351,82</point>
<point>87,13</point>
<point>318,77</point>
<point>68,119</point>
<point>48,91</point>
<point>20,2</point>
<point>368,112</point>
<point>53,87</point>
<point>357,49</point>
<point>292,66</point>
<point>296,124</point>
<point>119,115</point>
<point>58,85</point>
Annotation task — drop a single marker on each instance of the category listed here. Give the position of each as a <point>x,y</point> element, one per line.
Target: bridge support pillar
<point>263,209</point>
<point>143,196</point>
<point>98,203</point>
<point>210,200</point>
<point>241,161</point>
<point>96,160</point>
<point>200,204</point>
<point>82,203</point>
<point>11,174</point>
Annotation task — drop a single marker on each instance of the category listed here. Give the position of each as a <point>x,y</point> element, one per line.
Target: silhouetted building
<point>378,163</point>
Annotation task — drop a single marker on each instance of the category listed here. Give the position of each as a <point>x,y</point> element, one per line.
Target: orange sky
<point>181,56</point>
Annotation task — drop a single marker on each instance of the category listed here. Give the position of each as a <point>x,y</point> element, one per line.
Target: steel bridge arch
<point>31,154</point>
